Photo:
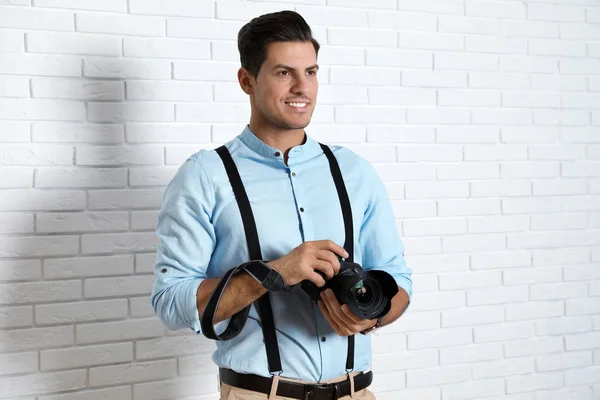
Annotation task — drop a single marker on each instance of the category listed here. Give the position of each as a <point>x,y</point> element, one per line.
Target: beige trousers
<point>234,393</point>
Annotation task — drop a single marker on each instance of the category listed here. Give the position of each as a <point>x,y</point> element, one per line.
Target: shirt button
<point>323,339</point>
<point>277,154</point>
<point>301,209</point>
<point>293,174</point>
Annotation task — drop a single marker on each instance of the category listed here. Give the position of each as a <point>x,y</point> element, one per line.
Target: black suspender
<point>263,304</point>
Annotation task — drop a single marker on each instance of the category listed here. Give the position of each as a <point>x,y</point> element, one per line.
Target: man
<point>299,222</point>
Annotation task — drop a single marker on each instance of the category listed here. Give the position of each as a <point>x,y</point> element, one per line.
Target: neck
<point>279,138</point>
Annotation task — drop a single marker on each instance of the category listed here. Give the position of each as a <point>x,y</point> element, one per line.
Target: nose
<point>300,85</point>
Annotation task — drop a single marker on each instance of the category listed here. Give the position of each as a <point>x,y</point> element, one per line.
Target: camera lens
<point>369,297</point>
<point>362,293</point>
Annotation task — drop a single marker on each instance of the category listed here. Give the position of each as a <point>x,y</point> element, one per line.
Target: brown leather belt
<point>301,391</point>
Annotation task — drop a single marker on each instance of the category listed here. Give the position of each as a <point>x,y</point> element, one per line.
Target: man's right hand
<point>302,262</point>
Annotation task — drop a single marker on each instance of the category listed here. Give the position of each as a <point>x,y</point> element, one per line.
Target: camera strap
<point>263,304</point>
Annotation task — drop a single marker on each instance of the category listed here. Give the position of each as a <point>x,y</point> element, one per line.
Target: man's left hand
<point>341,319</point>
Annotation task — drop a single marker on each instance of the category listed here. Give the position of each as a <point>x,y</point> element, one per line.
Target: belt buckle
<point>318,388</point>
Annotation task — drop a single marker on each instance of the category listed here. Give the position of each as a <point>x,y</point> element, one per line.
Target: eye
<point>284,72</point>
<point>312,72</point>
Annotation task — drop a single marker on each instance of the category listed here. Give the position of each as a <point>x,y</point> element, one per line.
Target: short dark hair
<point>256,35</point>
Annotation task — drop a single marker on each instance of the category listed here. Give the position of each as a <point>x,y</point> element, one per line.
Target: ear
<point>246,81</point>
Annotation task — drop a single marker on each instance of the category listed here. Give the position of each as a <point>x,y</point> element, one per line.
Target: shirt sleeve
<point>186,242</point>
<point>379,239</point>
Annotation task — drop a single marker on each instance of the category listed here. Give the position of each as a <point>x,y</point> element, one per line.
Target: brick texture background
<point>482,117</point>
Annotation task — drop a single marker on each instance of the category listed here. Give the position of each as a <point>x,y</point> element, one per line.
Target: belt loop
<point>351,379</point>
<point>274,386</point>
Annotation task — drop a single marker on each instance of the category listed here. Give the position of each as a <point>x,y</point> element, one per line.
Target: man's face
<point>285,90</point>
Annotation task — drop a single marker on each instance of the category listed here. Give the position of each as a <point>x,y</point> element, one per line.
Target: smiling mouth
<point>299,105</point>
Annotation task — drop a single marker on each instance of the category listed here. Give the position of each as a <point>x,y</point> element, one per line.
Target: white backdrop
<point>482,117</point>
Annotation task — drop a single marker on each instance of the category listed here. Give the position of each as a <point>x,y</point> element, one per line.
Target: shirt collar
<point>297,154</point>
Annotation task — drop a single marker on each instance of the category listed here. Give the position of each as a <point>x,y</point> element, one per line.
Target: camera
<point>367,293</point>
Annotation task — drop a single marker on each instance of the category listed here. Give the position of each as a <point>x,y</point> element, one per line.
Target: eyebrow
<point>294,69</point>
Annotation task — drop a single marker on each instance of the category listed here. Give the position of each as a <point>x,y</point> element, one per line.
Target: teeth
<point>297,104</point>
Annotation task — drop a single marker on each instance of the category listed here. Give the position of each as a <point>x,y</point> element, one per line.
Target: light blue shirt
<point>202,236</point>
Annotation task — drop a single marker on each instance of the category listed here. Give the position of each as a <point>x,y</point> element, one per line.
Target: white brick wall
<point>481,116</point>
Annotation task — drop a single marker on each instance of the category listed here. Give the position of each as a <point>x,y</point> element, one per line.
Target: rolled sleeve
<point>186,242</point>
<point>379,239</point>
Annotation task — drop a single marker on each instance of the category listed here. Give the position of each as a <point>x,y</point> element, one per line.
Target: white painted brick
<point>120,393</point>
<point>167,133</point>
<point>205,71</point>
<point>212,112</point>
<point>84,356</point>
<point>367,115</point>
<point>16,177</point>
<point>502,152</point>
<point>140,307</point>
<point>430,41</point>
<point>135,372</point>
<point>151,176</point>
<point>380,4</point>
<point>78,133</point>
<point>533,346</point>
<point>40,246</point>
<point>532,240</point>
<point>495,9</point>
<point>582,306</point>
<point>208,29</point>
<point>582,376</point>
<point>492,44</point>
<point>169,91</point>
<point>166,48</point>
<point>178,155</point>
<point>389,344</point>
<point>473,389</point>
<point>11,86</point>
<point>497,295</point>
<point>125,68</point>
<point>472,316</point>
<point>120,24</point>
<point>430,190</point>
<point>374,153</point>
<point>497,224</point>
<point>36,155</point>
<point>111,155</point>
<point>502,117</point>
<point>531,205</point>
<point>369,76</point>
<point>121,112</point>
<point>520,276</point>
<point>28,109</point>
<point>172,346</point>
<point>413,209</point>
<point>558,82</point>
<point>243,11</point>
<point>400,96</point>
<point>31,18</point>
<point>556,362</point>
<point>36,338</point>
<point>435,116</point>
<point>121,330</point>
<point>438,301</point>
<point>446,337</point>
<point>425,283</point>
<point>15,317</point>
<point>63,313</point>
<point>518,170</point>
<point>71,178</point>
<point>503,188</point>
<point>578,66</point>
<point>82,222</point>
<point>557,152</point>
<point>504,332</point>
<point>580,169</point>
<point>74,89</point>
<point>118,242</point>
<point>184,8</point>
<point>550,47</point>
<point>225,92</point>
<point>125,199</point>
<point>532,29</point>
<point>340,56</point>
<point>18,363</point>
<point>465,61</point>
<point>583,393</point>
<point>467,171</point>
<point>503,368</point>
<point>429,153</point>
<point>73,43</point>
<point>534,310</point>
<point>144,263</point>
<point>594,289</point>
<point>405,21</point>
<point>43,383</point>
<point>460,207</point>
<point>433,6</point>
<point>17,293</point>
<point>471,353</point>
<point>20,270</point>
<point>529,64</point>
<point>329,17</point>
<point>582,341</point>
<point>579,31</point>
<point>530,99</point>
<point>438,376</point>
<point>562,325</point>
<point>188,387</point>
<point>88,266</point>
<point>399,58</point>
<point>584,100</point>
<point>424,246</point>
<point>118,286</point>
<point>16,223</point>
<point>498,80</point>
<point>561,117</point>
<point>560,256</point>
<point>434,79</point>
<point>560,187</point>
<point>518,134</point>
<point>29,200</point>
<point>555,12</point>
<point>14,132</point>
<point>468,98</point>
<point>469,280</point>
<point>462,24</point>
<point>110,5</point>
<point>11,41</point>
<point>440,263</point>
<point>193,365</point>
<point>434,227</point>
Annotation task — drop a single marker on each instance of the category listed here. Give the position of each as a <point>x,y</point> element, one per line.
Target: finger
<point>332,246</point>
<point>316,279</point>
<point>356,319</point>
<point>335,309</point>
<point>330,258</point>
<point>324,267</point>
<point>327,316</point>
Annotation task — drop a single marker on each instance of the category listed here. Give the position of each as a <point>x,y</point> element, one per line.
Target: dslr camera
<point>367,293</point>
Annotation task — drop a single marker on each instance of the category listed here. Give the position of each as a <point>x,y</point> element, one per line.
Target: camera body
<point>367,293</point>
